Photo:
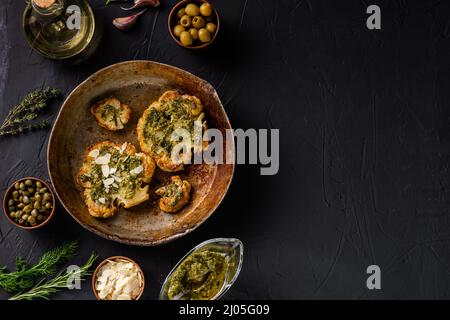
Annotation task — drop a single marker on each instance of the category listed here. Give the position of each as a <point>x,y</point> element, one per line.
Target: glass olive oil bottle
<point>61,29</point>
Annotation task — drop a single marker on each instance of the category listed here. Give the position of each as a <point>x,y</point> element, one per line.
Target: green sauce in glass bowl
<point>206,272</point>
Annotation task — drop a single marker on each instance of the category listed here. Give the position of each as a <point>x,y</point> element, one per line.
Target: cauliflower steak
<point>112,176</point>
<point>170,112</point>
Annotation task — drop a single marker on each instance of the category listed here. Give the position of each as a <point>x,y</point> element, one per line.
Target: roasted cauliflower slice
<point>112,176</point>
<point>163,117</point>
<point>175,195</point>
<point>111,114</point>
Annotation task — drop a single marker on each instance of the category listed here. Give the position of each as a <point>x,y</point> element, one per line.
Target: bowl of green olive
<point>29,203</point>
<point>193,24</point>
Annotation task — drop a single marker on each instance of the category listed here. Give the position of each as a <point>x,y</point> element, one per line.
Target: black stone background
<point>365,144</point>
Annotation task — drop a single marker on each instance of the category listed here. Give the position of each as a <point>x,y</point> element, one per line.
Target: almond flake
<point>108,182</point>
<point>137,170</point>
<point>105,170</point>
<point>94,153</point>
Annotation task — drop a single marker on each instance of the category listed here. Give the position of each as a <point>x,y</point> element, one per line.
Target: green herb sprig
<point>26,276</point>
<point>20,117</point>
<point>44,289</point>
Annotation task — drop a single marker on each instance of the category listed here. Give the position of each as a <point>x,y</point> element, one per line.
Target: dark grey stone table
<point>364,119</point>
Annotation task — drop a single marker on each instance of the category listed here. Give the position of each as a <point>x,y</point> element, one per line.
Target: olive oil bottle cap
<point>44,4</point>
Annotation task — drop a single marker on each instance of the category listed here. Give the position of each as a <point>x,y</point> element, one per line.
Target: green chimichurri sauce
<point>200,277</point>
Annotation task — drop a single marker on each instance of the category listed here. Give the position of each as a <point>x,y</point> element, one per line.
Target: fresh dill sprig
<point>26,276</point>
<point>44,289</point>
<point>20,117</point>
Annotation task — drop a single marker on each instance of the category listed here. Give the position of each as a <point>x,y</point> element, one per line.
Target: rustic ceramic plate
<point>136,83</point>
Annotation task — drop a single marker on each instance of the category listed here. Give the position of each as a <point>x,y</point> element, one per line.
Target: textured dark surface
<point>365,144</point>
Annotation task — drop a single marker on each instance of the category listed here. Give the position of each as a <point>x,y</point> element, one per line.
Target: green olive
<point>186,38</point>
<point>198,22</point>
<point>38,184</point>
<point>181,13</point>
<point>211,27</point>
<point>192,10</point>
<point>204,35</point>
<point>177,30</point>
<point>194,33</point>
<point>186,21</point>
<point>206,9</point>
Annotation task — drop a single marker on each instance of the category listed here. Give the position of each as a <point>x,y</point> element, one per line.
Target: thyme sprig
<point>44,289</point>
<point>20,117</point>
<point>26,275</point>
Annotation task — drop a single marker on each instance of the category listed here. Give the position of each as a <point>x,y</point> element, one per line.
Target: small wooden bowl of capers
<point>29,203</point>
<point>193,24</point>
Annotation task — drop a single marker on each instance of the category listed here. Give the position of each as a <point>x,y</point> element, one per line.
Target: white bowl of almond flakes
<point>118,278</point>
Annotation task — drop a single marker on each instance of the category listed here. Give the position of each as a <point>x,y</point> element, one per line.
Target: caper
<point>48,205</point>
<point>20,198</point>
<point>31,219</point>
<point>30,190</point>
<point>42,210</point>
<point>37,205</point>
<point>204,35</point>
<point>185,21</point>
<point>40,217</point>
<point>15,194</point>
<point>194,33</point>
<point>198,22</point>
<point>186,38</point>
<point>211,27</point>
<point>20,206</point>
<point>47,196</point>
<point>17,186</point>
<point>192,10</point>
<point>12,214</point>
<point>22,186</point>
<point>38,184</point>
<point>37,197</point>
<point>27,209</point>
<point>21,221</point>
<point>34,213</point>
<point>12,208</point>
<point>43,190</point>
<point>25,193</point>
<point>26,200</point>
<point>206,9</point>
<point>10,202</point>
<point>177,30</point>
<point>25,216</point>
<point>28,182</point>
